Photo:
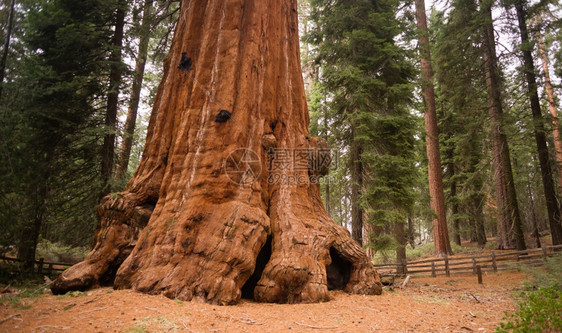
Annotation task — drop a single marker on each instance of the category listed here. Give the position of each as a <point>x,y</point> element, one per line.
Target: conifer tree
<point>539,131</point>
<point>367,78</point>
<point>51,142</point>
<point>509,220</point>
<point>440,233</point>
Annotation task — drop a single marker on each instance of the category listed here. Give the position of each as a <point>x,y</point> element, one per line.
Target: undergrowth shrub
<point>56,252</point>
<point>541,308</point>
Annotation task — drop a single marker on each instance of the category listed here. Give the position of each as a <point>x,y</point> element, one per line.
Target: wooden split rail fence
<point>492,262</point>
<point>41,266</point>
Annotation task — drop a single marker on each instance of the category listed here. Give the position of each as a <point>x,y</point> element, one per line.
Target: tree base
<point>246,256</point>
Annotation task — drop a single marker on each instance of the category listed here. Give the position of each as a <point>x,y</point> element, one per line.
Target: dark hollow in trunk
<point>226,223</point>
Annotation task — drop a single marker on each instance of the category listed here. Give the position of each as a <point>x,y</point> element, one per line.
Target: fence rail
<point>41,266</point>
<point>492,262</point>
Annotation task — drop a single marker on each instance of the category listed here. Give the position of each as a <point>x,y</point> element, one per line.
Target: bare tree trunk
<point>454,199</point>
<point>356,190</point>
<point>551,107</point>
<point>223,217</point>
<point>440,233</point>
<point>327,186</point>
<point>134,99</point>
<point>540,134</point>
<point>108,148</point>
<point>400,236</point>
<point>508,208</point>
<point>536,232</point>
<point>411,238</point>
<point>6,49</point>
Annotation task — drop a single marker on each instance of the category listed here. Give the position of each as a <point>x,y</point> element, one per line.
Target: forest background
<point>78,80</point>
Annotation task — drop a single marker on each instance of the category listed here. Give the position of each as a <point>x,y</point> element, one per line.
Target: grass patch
<point>24,289</point>
<point>154,324</point>
<point>136,329</point>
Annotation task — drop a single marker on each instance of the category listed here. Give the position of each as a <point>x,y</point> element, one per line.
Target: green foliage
<point>25,289</point>
<point>50,114</point>
<point>57,252</point>
<point>362,97</point>
<point>462,102</point>
<point>540,312</point>
<point>549,276</point>
<point>541,309</point>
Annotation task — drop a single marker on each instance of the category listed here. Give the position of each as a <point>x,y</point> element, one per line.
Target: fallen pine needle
<point>317,327</point>
<point>52,327</point>
<point>11,317</point>
<point>249,321</point>
<point>93,310</point>
<point>152,309</point>
<point>185,326</point>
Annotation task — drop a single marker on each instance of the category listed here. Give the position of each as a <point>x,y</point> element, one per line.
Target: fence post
<point>494,265</point>
<point>40,268</point>
<point>433,269</point>
<point>473,265</point>
<point>479,272</point>
<point>447,266</point>
<point>50,269</point>
<point>544,253</point>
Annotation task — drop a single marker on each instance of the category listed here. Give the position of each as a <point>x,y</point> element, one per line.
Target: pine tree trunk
<point>327,186</point>
<point>453,194</point>
<point>535,225</point>
<point>400,237</point>
<point>208,214</point>
<point>108,148</point>
<point>356,190</point>
<point>540,134</point>
<point>134,98</point>
<point>411,238</point>
<point>508,208</point>
<point>551,107</point>
<point>440,233</point>
<point>6,48</point>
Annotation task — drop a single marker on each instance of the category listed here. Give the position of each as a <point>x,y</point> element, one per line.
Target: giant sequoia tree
<point>186,228</point>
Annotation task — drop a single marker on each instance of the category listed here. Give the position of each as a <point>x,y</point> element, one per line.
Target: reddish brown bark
<point>540,133</point>
<point>208,237</point>
<point>551,107</point>
<point>437,199</point>
<point>506,198</point>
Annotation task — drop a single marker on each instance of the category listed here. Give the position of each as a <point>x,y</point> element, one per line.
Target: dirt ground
<point>442,304</point>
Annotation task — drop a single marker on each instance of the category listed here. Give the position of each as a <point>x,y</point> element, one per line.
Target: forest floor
<point>442,304</point>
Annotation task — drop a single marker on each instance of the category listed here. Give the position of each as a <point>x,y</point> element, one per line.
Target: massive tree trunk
<point>508,208</point>
<point>228,211</point>
<point>108,148</point>
<point>540,134</point>
<point>136,87</point>
<point>440,233</point>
